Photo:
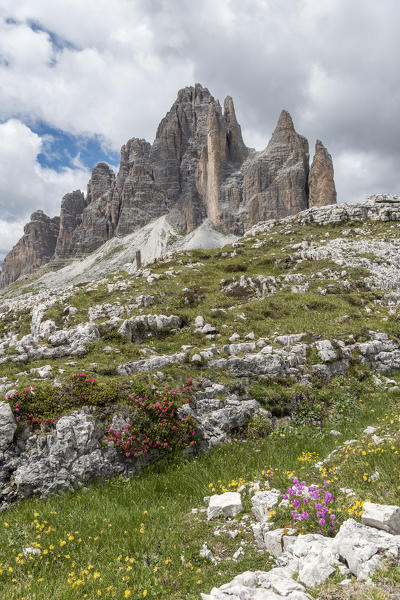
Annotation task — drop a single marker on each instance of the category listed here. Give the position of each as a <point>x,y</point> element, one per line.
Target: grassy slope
<point>146,522</point>
<point>106,520</point>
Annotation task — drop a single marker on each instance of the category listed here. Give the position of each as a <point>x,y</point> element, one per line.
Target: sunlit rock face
<point>322,188</point>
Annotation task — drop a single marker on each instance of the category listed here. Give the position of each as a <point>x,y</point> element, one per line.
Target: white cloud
<point>359,174</point>
<point>25,185</point>
<point>111,83</point>
<point>10,233</point>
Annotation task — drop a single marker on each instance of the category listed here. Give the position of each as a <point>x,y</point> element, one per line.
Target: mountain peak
<point>198,167</point>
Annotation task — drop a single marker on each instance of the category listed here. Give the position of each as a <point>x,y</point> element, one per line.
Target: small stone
<point>369,430</point>
<point>199,321</point>
<point>206,553</point>
<point>239,552</point>
<point>31,550</point>
<point>234,533</point>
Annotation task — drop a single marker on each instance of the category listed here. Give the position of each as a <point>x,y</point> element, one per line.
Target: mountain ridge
<point>198,168</point>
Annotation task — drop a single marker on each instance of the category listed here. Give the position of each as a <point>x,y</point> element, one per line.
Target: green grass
<point>146,522</point>
<point>105,520</point>
<point>338,314</point>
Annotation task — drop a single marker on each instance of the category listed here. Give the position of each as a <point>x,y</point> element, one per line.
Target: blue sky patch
<point>61,149</point>
<point>57,41</point>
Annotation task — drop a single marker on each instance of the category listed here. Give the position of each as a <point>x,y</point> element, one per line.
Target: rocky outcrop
<point>309,560</point>
<point>72,206</point>
<point>321,183</point>
<point>33,250</point>
<point>77,451</point>
<point>198,168</point>
<point>276,180</point>
<point>94,225</point>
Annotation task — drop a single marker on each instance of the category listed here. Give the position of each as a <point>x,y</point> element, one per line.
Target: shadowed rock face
<point>198,167</point>
<point>276,180</point>
<point>72,206</point>
<point>321,182</point>
<point>35,248</point>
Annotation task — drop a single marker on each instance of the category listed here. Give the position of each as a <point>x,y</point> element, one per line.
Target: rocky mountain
<point>197,169</point>
<point>35,248</point>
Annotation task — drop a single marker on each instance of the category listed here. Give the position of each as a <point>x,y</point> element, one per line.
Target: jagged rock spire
<point>285,121</point>
<point>322,188</point>
<point>72,207</point>
<point>237,151</point>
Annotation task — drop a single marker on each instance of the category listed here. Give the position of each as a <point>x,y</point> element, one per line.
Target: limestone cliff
<point>197,168</point>
<point>321,181</point>
<point>72,206</point>
<point>35,248</point>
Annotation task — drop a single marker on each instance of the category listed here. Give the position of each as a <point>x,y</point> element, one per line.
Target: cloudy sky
<point>79,78</point>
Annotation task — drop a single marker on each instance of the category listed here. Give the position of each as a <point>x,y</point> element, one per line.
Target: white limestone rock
<point>8,425</point>
<point>138,327</point>
<point>43,372</point>
<point>263,502</point>
<point>325,351</point>
<point>362,547</point>
<point>199,321</point>
<point>31,550</point>
<point>382,516</point>
<point>369,430</point>
<point>316,558</point>
<point>228,504</point>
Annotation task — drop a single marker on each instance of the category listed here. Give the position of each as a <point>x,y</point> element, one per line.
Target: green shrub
<point>258,427</point>
<point>47,402</point>
<point>235,267</point>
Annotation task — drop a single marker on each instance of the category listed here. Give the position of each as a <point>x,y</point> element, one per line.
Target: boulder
<point>139,327</point>
<point>8,425</point>
<point>228,504</point>
<point>362,547</point>
<point>382,516</point>
<point>263,502</point>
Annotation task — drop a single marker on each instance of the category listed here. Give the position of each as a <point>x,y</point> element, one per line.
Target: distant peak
<point>102,165</point>
<point>191,93</point>
<point>285,121</point>
<point>229,110</point>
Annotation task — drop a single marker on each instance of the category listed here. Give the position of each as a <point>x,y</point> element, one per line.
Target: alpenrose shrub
<point>156,425</point>
<point>155,420</point>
